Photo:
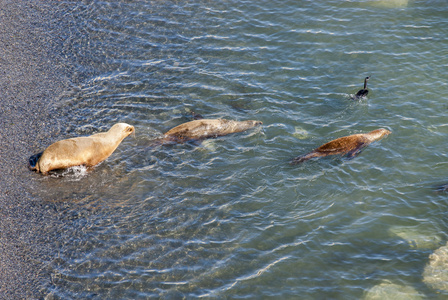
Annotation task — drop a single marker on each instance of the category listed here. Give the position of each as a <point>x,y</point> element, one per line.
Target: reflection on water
<point>230,217</point>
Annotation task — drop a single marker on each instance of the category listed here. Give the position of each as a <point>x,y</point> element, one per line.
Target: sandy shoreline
<point>32,78</point>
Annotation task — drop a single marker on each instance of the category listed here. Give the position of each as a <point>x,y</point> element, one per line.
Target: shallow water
<point>231,218</point>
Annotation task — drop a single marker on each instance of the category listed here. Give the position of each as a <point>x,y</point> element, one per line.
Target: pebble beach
<point>31,80</point>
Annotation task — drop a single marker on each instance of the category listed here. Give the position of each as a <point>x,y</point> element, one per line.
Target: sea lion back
<point>342,144</point>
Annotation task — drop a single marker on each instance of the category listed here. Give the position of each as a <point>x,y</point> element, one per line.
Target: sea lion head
<point>121,130</point>
<point>378,134</point>
<point>238,126</point>
<point>250,123</point>
<point>257,123</point>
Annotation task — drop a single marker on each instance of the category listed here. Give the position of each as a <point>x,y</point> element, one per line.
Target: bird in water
<point>363,92</point>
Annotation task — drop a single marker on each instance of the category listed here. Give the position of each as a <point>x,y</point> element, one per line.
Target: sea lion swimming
<point>206,128</point>
<point>350,145</point>
<point>88,150</point>
<point>363,92</point>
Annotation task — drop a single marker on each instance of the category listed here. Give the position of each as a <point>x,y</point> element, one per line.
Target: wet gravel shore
<point>32,77</point>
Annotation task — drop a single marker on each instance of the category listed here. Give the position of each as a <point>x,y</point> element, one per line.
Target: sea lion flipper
<point>196,116</point>
<point>197,142</point>
<point>442,188</point>
<point>353,153</point>
<point>33,160</point>
<point>302,158</point>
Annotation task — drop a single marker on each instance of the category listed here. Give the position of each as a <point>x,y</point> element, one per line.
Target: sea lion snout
<point>251,123</point>
<point>245,125</point>
<point>124,127</point>
<point>379,133</point>
<point>131,130</point>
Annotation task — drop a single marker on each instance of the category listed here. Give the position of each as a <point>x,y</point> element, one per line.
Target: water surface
<point>231,218</point>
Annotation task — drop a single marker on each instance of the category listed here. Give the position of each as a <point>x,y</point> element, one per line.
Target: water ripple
<point>230,217</point>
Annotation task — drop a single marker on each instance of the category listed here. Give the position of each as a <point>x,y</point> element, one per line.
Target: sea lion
<point>363,92</point>
<point>350,145</point>
<point>206,128</point>
<point>88,150</point>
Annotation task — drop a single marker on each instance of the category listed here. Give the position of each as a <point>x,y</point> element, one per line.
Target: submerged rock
<point>435,274</point>
<point>387,290</point>
<point>300,133</point>
<point>417,237</point>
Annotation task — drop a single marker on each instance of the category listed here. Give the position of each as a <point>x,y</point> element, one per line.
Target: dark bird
<point>363,93</point>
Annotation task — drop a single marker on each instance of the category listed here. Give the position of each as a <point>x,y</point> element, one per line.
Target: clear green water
<point>231,218</point>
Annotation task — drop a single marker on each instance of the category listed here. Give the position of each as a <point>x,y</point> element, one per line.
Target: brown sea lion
<point>88,150</point>
<point>350,145</point>
<point>207,128</point>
